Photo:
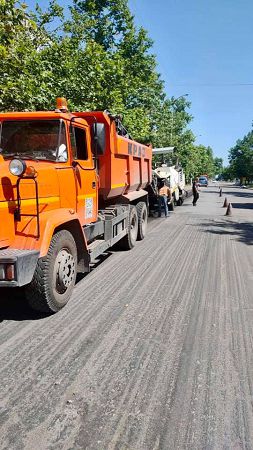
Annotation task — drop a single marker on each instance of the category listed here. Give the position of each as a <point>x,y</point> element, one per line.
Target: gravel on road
<point>154,351</point>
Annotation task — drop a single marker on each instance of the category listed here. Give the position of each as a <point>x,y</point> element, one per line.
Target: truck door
<point>85,174</point>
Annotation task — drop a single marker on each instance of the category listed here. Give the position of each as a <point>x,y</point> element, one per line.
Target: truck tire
<point>129,240</point>
<point>55,275</point>
<point>142,213</point>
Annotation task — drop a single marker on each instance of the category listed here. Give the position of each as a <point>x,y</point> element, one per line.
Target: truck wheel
<point>142,213</point>
<point>129,240</point>
<point>55,275</point>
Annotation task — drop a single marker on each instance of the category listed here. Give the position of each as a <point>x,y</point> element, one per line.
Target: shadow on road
<point>238,193</point>
<point>242,231</point>
<point>100,259</point>
<point>242,205</point>
<point>13,306</point>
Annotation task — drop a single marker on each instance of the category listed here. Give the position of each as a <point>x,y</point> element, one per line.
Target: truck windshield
<point>43,139</point>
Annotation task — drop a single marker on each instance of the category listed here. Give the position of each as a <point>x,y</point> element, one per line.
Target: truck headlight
<point>17,167</point>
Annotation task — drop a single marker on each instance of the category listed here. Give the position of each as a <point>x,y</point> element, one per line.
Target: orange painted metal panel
<point>125,166</point>
<point>49,220</point>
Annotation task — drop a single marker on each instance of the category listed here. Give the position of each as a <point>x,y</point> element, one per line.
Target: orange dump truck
<point>72,185</point>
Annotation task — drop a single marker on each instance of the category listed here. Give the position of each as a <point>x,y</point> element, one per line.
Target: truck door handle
<point>93,184</point>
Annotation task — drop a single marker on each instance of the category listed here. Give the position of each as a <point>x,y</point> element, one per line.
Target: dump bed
<point>125,167</point>
<point>129,167</point>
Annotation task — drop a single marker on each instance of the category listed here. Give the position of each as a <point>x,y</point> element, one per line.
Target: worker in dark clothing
<point>163,194</point>
<point>195,191</point>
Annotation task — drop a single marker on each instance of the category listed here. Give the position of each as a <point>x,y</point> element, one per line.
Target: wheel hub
<point>65,264</point>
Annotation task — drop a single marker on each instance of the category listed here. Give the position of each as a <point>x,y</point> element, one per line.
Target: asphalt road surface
<point>154,351</point>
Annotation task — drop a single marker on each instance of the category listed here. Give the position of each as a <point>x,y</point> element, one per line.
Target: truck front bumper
<point>17,266</point>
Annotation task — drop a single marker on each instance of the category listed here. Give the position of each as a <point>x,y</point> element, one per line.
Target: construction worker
<point>163,194</point>
<point>195,191</point>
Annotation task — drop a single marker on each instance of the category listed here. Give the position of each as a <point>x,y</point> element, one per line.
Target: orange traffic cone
<point>225,204</point>
<point>229,210</point>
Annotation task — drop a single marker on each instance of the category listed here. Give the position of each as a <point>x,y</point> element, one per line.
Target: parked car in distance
<point>203,181</point>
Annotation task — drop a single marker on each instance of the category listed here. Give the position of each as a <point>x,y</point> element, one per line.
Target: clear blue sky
<point>205,49</point>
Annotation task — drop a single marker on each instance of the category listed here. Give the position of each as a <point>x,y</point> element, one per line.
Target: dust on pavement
<point>154,351</point>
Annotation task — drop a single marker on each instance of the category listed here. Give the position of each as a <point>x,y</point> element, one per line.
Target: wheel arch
<point>75,229</point>
<point>56,221</point>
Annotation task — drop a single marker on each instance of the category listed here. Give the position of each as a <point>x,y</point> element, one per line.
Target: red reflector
<point>9,272</point>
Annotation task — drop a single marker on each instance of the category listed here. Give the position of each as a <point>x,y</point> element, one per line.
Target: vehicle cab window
<point>79,143</point>
<point>38,139</point>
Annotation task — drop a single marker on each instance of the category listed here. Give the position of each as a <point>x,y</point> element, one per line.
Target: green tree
<point>98,59</point>
<point>25,80</point>
<point>121,63</point>
<point>199,160</point>
<point>218,166</point>
<point>241,158</point>
<point>227,174</point>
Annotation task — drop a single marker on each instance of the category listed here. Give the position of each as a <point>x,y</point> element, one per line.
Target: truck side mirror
<point>98,138</point>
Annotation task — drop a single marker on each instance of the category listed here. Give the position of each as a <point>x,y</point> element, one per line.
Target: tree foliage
<point>198,160</point>
<point>98,59</point>
<point>218,166</point>
<point>226,174</point>
<point>241,158</point>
